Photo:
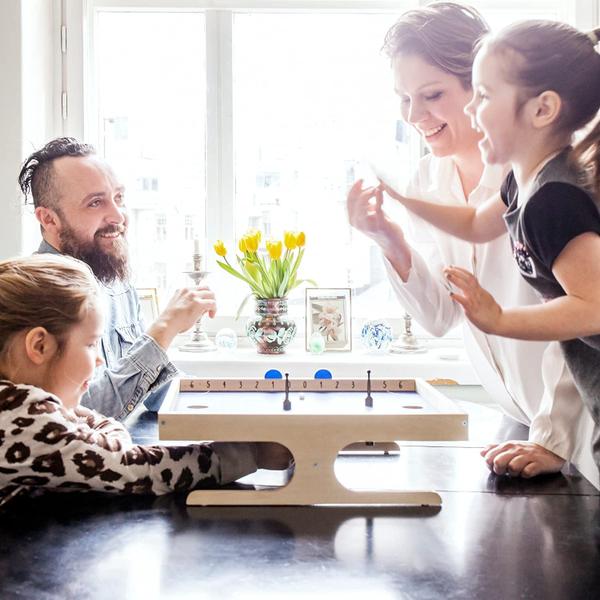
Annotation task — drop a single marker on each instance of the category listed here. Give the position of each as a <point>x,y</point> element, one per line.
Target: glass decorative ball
<point>226,339</point>
<point>316,343</point>
<point>376,335</point>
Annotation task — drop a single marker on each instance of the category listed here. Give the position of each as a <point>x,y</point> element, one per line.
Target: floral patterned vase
<point>271,329</point>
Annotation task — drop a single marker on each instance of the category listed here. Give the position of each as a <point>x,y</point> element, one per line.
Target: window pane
<point>313,102</point>
<point>313,99</point>
<point>499,17</point>
<point>151,97</point>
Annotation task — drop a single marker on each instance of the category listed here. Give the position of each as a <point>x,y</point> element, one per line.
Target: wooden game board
<point>325,416</point>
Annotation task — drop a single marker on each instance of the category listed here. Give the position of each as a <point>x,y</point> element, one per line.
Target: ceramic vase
<point>271,329</point>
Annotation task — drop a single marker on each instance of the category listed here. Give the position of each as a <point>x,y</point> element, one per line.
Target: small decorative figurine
<point>407,343</point>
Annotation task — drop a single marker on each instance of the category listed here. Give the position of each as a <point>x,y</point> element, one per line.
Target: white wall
<point>11,125</point>
<point>28,107</point>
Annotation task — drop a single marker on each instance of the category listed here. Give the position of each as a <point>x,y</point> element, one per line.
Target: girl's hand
<point>479,305</point>
<point>521,459</point>
<point>391,192</point>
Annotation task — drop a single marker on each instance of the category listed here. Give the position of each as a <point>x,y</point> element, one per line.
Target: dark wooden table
<point>494,537</point>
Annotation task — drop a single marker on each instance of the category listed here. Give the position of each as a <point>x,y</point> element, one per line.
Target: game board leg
<point>313,482</point>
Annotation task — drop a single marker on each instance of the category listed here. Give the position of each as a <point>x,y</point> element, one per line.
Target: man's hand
<point>521,459</point>
<point>185,307</point>
<point>270,455</point>
<point>479,305</point>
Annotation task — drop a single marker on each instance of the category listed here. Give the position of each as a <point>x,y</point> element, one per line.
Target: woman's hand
<point>479,305</point>
<point>365,213</point>
<point>521,459</point>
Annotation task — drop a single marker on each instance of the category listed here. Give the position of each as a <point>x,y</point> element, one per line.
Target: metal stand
<point>199,341</point>
<point>407,343</point>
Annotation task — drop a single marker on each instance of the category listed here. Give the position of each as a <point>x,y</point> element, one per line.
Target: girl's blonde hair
<point>43,290</point>
<point>552,56</point>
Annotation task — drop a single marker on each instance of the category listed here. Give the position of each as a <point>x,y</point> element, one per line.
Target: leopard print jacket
<point>45,445</point>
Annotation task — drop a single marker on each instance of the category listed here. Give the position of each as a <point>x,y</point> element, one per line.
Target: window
<point>161,227</point>
<point>305,118</point>
<point>189,232</point>
<point>150,110</point>
<point>220,119</point>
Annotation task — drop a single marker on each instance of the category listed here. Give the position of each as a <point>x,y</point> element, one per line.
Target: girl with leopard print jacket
<point>44,444</point>
<point>50,324</point>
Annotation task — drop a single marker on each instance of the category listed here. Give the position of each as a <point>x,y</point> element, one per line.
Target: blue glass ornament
<point>376,335</point>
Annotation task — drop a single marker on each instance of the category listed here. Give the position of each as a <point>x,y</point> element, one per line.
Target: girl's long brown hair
<point>548,55</point>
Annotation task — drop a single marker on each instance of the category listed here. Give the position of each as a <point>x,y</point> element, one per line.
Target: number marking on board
<point>278,385</point>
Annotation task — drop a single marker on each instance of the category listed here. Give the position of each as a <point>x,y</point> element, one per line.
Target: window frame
<point>78,81</point>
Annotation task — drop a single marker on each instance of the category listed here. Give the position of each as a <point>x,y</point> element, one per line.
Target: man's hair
<point>36,178</point>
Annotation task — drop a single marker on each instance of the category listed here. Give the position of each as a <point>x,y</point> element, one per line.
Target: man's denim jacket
<point>135,366</point>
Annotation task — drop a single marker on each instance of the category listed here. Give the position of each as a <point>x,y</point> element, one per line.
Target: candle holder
<point>199,341</point>
<point>407,343</point>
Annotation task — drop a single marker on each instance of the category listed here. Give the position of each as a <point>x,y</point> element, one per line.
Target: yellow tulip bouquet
<point>270,274</point>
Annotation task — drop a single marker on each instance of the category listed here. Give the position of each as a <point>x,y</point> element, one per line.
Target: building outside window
<point>161,227</point>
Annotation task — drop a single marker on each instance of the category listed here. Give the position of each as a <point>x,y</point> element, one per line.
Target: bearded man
<point>79,203</point>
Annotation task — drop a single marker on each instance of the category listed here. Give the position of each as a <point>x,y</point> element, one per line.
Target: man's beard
<point>106,266</point>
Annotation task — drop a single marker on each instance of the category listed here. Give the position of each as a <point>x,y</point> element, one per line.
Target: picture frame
<point>329,312</point>
<point>148,298</point>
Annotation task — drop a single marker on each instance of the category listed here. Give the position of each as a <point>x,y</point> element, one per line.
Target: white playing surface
<point>313,403</point>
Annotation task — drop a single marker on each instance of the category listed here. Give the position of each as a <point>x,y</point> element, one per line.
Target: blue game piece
<point>273,374</point>
<point>323,374</point>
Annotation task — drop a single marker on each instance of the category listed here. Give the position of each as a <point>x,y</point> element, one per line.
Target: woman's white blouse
<point>529,380</point>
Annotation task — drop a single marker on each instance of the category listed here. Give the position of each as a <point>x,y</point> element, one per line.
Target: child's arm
<point>577,314</point>
<point>106,426</point>
<point>55,448</point>
<point>477,225</point>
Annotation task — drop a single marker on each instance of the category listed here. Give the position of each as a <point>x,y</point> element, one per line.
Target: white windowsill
<point>437,363</point>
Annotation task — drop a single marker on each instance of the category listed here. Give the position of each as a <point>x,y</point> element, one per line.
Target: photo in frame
<point>329,312</point>
<point>148,298</point>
